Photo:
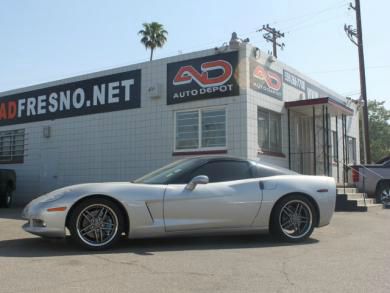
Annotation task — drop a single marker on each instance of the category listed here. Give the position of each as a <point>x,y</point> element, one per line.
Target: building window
<point>269,131</point>
<point>187,130</point>
<point>12,146</point>
<point>335,145</point>
<point>351,145</point>
<point>200,129</point>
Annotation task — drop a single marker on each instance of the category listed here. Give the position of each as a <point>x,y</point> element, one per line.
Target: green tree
<point>379,118</point>
<point>153,35</point>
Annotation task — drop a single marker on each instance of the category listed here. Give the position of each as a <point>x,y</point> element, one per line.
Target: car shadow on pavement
<point>38,247</point>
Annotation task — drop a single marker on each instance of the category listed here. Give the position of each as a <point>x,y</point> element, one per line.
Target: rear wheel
<point>383,192</point>
<point>6,198</point>
<point>293,219</point>
<point>96,223</point>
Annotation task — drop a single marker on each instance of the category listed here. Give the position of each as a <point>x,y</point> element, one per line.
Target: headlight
<point>54,195</point>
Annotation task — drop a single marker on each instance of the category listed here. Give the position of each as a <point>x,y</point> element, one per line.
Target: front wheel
<point>96,223</point>
<point>6,198</point>
<point>293,219</point>
<point>383,193</point>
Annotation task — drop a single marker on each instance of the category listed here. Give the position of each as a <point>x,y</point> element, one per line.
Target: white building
<point>118,124</point>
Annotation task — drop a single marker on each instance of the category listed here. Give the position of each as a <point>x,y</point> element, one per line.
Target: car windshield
<point>167,173</point>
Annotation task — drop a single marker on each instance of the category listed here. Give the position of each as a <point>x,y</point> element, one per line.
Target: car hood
<point>115,189</point>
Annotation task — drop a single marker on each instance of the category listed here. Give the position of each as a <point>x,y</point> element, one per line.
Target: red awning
<point>306,106</point>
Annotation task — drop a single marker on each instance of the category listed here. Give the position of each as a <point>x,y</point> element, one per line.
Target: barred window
<point>213,128</point>
<point>351,151</point>
<point>269,130</point>
<point>200,129</point>
<point>12,146</point>
<point>335,147</point>
<point>187,129</point>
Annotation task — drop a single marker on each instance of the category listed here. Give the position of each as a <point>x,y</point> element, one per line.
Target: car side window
<point>219,171</point>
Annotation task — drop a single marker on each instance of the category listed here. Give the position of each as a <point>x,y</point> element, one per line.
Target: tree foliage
<point>153,35</point>
<point>379,118</point>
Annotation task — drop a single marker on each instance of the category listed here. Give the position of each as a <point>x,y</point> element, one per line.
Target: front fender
<point>143,205</point>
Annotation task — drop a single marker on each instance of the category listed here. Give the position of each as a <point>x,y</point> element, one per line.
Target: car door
<point>231,199</point>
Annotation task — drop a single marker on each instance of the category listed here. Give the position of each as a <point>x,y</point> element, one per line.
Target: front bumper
<point>43,223</point>
<point>44,231</point>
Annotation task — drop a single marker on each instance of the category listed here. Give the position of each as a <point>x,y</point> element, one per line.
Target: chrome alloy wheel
<point>97,225</point>
<point>295,219</point>
<point>385,195</point>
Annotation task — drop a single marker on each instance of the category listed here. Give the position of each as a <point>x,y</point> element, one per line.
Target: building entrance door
<point>309,148</point>
<point>305,139</point>
<point>302,150</point>
<point>49,171</point>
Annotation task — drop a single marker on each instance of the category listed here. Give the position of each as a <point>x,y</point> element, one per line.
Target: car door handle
<point>267,185</point>
<point>261,184</point>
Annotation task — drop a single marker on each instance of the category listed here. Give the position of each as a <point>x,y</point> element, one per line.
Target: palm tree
<point>153,36</point>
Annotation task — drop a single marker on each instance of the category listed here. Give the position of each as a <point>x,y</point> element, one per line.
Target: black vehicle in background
<point>7,187</point>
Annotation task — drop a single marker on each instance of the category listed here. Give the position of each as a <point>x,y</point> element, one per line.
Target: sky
<point>46,40</point>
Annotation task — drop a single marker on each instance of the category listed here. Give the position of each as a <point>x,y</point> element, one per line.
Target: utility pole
<point>356,37</point>
<point>272,35</point>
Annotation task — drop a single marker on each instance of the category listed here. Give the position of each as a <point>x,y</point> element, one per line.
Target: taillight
<point>355,174</point>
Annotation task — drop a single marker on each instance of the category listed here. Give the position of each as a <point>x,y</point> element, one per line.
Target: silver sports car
<point>191,196</point>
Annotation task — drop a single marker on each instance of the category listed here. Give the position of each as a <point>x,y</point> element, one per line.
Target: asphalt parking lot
<point>350,255</point>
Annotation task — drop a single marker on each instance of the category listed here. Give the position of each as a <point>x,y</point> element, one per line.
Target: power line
<point>310,14</point>
<point>221,41</point>
<point>310,25</point>
<point>349,69</point>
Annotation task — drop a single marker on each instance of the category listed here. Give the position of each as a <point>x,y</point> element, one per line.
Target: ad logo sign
<point>187,74</point>
<point>115,92</point>
<point>266,81</point>
<point>202,78</point>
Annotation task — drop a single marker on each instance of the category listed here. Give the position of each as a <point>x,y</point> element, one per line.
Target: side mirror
<point>201,179</point>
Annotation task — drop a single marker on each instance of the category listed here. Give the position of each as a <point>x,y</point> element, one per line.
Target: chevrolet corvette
<point>194,196</point>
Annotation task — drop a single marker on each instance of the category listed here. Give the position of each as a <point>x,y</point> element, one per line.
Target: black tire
<point>90,210</point>
<point>283,222</point>
<point>6,198</point>
<point>383,192</point>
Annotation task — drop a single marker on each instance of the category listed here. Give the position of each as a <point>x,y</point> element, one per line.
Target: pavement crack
<point>128,263</point>
<point>286,274</point>
<point>152,271</point>
<point>64,284</point>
